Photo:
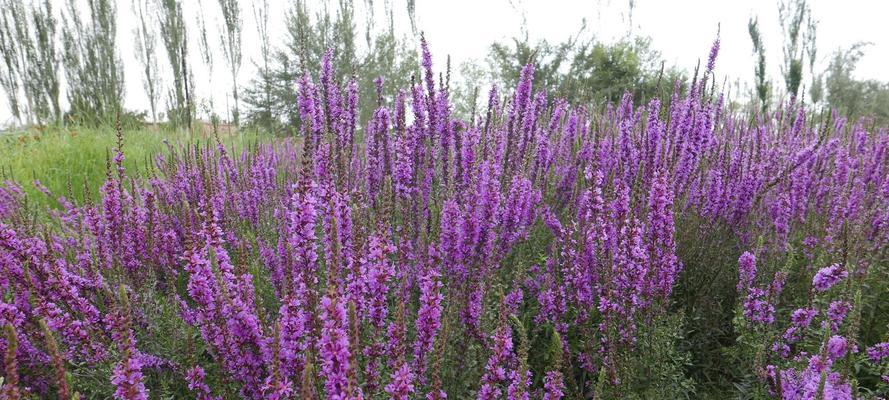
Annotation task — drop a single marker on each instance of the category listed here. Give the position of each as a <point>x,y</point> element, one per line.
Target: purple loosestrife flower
<point>333,348</point>
<point>428,76</point>
<point>428,319</point>
<point>127,374</point>
<point>518,213</point>
<point>807,385</point>
<point>127,377</point>
<point>280,389</point>
<point>496,370</point>
<point>662,253</point>
<point>294,324</point>
<point>375,149</point>
<point>301,238</point>
<point>402,385</point>
<point>878,352</point>
<point>836,347</point>
<point>195,377</point>
<point>310,112</point>
<point>553,386</point>
<point>747,270</point>
<point>377,272</point>
<point>403,174</point>
<point>513,300</point>
<point>453,239</point>
<point>801,319</point>
<point>836,314</point>
<point>714,52</point>
<point>828,277</point>
<point>331,92</point>
<point>518,386</point>
<point>757,308</point>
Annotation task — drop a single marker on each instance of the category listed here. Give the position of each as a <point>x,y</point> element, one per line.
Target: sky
<point>681,30</point>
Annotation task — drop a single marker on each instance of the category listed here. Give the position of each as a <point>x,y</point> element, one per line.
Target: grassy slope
<point>58,156</point>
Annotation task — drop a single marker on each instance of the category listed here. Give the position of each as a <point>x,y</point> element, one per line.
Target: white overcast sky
<point>682,30</point>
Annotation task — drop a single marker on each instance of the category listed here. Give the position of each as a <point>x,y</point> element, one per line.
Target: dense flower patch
<point>530,252</point>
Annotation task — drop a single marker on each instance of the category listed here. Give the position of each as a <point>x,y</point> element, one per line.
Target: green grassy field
<point>77,157</point>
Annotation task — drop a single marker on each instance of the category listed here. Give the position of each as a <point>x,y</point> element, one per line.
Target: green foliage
<point>604,72</point>
<point>174,34</point>
<point>93,69</point>
<point>852,97</point>
<point>309,34</point>
<point>798,28</point>
<point>28,37</point>
<point>263,87</point>
<point>705,294</point>
<point>231,46</point>
<point>655,369</point>
<point>9,74</point>
<point>67,161</point>
<point>583,70</point>
<point>146,52</point>
<point>762,84</point>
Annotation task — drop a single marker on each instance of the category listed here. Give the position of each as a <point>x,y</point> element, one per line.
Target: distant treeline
<point>73,51</point>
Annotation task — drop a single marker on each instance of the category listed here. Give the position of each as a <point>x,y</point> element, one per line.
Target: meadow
<point>659,249</point>
<point>73,161</point>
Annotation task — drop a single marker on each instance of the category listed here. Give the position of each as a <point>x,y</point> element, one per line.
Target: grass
<point>77,157</point>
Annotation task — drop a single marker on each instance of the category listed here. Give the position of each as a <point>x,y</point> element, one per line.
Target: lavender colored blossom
<point>747,270</point>
<point>836,347</point>
<point>829,276</point>
<point>428,319</point>
<point>553,387</point>
<point>402,385</point>
<point>333,348</point>
<point>878,352</point>
<point>351,257</point>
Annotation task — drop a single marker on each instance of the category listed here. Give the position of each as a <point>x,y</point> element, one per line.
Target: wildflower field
<point>650,249</point>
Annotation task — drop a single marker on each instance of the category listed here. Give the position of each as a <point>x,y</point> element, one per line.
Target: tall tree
<point>852,97</point>
<point>231,46</point>
<point>24,53</point>
<point>261,15</point>
<point>206,53</point>
<point>816,88</point>
<point>28,36</point>
<point>93,68</point>
<point>761,82</point>
<point>174,34</point>
<point>798,28</point>
<point>581,69</point>
<point>10,78</point>
<point>44,63</point>
<point>309,33</point>
<point>146,52</point>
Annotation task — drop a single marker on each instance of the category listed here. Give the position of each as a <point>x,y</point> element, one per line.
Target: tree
<point>798,28</point>
<point>851,97</point>
<point>146,53</point>
<point>603,72</point>
<point>231,46</point>
<point>309,34</point>
<point>263,117</point>
<point>206,53</point>
<point>761,81</point>
<point>44,63</point>
<point>583,70</point>
<point>25,57</point>
<point>92,67</point>
<point>174,34</point>
<point>10,78</point>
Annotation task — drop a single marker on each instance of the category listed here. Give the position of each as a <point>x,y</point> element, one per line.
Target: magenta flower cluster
<point>387,258</point>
